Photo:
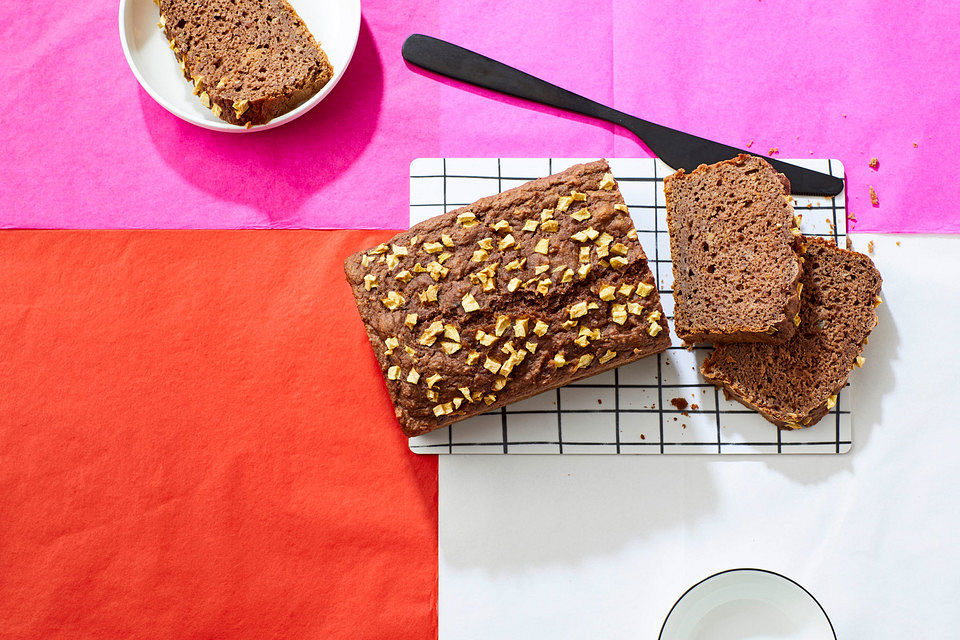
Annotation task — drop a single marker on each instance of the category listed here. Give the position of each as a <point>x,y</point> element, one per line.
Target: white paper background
<point>601,546</point>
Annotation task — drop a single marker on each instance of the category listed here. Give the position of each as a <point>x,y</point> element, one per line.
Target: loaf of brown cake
<point>249,60</point>
<point>795,384</point>
<point>513,295</point>
<point>733,240</point>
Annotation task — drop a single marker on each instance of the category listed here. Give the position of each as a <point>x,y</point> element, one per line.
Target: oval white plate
<point>745,604</point>
<point>334,23</point>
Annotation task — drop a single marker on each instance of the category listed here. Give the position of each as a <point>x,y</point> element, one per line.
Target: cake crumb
<point>643,437</point>
<point>695,407</point>
<point>898,243</point>
<point>870,247</point>
<point>679,403</point>
<point>750,144</point>
<point>874,163</point>
<point>873,198</point>
<point>849,243</point>
<point>914,145</point>
<point>774,150</point>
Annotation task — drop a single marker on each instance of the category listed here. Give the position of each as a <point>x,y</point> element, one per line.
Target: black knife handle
<point>462,64</point>
<point>676,148</point>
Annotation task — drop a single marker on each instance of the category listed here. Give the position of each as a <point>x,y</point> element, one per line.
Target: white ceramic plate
<point>743,604</point>
<point>334,23</point>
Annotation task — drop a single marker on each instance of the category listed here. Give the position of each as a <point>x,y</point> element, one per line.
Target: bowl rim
<point>227,127</point>
<point>737,569</point>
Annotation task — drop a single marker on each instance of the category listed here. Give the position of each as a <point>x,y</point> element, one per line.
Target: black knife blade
<point>676,148</point>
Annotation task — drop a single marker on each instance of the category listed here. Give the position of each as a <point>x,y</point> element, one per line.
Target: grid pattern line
<point>634,401</point>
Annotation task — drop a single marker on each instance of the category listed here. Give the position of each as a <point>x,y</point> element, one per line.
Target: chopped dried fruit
<point>467,219</point>
<point>393,301</point>
<point>469,303</point>
<point>520,327</point>
<point>578,310</point>
<point>619,313</point>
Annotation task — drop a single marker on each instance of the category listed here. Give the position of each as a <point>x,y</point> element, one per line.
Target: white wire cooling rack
<point>656,405</point>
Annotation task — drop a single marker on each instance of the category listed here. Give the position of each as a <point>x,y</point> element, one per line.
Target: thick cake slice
<point>513,295</point>
<point>795,384</point>
<point>733,243</point>
<point>249,60</point>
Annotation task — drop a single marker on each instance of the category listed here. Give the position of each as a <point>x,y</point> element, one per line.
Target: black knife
<point>676,148</point>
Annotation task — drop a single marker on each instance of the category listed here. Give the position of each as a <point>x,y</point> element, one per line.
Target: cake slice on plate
<point>249,60</point>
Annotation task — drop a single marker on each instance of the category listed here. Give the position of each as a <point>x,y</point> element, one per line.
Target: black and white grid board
<point>629,409</point>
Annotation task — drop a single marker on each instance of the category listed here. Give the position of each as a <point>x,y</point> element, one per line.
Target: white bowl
<point>747,604</point>
<point>334,23</point>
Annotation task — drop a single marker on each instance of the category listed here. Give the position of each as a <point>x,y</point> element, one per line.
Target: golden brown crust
<point>508,297</point>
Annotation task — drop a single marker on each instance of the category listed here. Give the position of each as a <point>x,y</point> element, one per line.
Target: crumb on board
<point>599,401</point>
<point>750,144</point>
<point>774,150</point>
<point>679,403</point>
<point>898,243</point>
<point>874,163</point>
<point>914,145</point>
<point>695,406</point>
<point>849,243</point>
<point>873,197</point>
<point>870,247</point>
<point>643,437</point>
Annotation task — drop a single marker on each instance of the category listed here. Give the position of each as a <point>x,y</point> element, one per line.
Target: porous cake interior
<point>245,49</point>
<point>840,291</point>
<point>734,263</point>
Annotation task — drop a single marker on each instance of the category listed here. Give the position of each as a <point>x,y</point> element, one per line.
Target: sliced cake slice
<point>795,384</point>
<point>249,60</point>
<point>515,294</point>
<point>733,241</point>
